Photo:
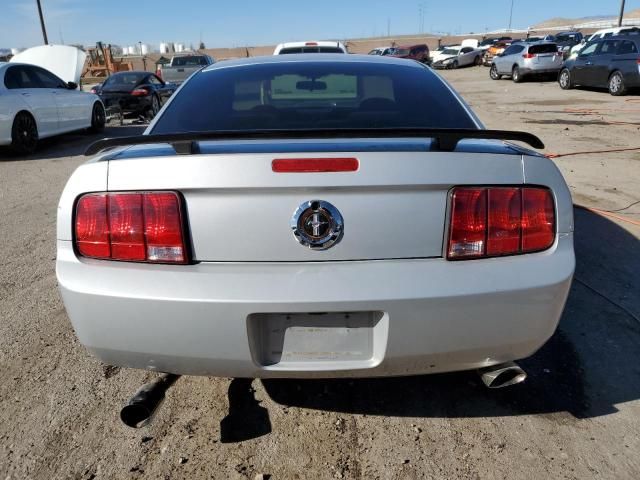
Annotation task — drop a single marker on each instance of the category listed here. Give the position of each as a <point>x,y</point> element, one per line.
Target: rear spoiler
<point>445,139</point>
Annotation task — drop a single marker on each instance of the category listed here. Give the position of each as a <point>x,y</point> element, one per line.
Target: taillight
<point>93,90</point>
<point>134,227</point>
<point>314,165</point>
<point>528,55</point>
<point>140,92</point>
<point>159,73</point>
<point>498,221</point>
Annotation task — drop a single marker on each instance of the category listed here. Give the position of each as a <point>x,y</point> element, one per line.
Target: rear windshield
<point>545,48</point>
<point>285,51</point>
<point>189,61</point>
<point>132,79</point>
<point>313,95</point>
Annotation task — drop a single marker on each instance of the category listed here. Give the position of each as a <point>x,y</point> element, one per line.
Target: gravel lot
<point>577,416</point>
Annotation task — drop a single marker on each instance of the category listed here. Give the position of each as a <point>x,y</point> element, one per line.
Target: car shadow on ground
<point>70,144</point>
<point>590,365</point>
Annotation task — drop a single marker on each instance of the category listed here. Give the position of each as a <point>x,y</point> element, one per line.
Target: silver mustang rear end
<point>272,254</point>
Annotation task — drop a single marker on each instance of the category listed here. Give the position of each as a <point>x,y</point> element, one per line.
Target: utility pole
<point>388,27</point>
<point>511,14</point>
<point>621,14</point>
<point>44,30</point>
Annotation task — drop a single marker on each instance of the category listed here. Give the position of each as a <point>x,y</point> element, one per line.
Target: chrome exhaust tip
<point>141,408</point>
<point>502,375</point>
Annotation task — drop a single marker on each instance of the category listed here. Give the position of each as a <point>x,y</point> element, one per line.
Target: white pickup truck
<point>182,66</point>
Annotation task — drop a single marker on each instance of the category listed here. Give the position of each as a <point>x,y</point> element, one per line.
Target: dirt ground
<point>577,416</point>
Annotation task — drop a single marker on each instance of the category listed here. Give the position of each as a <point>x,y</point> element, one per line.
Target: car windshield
<point>401,51</point>
<point>313,95</point>
<point>450,51</point>
<point>131,79</point>
<point>188,61</point>
<point>488,41</point>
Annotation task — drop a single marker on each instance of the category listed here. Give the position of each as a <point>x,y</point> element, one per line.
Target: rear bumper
<point>540,70</point>
<point>435,315</point>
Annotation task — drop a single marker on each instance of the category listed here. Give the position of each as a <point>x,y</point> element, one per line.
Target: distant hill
<point>560,21</point>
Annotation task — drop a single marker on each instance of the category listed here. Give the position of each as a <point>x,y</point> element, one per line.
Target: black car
<point>567,40</point>
<point>142,93</point>
<point>612,63</point>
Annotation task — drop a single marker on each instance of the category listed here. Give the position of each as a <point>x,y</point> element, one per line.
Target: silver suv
<point>520,60</point>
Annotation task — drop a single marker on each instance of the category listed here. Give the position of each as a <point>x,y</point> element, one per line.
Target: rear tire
<point>616,84</point>
<point>515,75</point>
<point>564,79</point>
<point>98,118</point>
<point>493,73</point>
<point>478,61</point>
<point>24,134</point>
<point>154,109</point>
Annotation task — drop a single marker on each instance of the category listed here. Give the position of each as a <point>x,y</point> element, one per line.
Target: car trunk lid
<point>239,210</point>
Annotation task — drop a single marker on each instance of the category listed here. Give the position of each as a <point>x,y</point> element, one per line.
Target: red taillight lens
<point>503,236</point>
<point>314,165</point>
<point>528,55</point>
<point>496,221</point>
<point>140,92</point>
<point>163,228</point>
<point>159,73</point>
<point>92,226</point>
<point>468,223</point>
<point>538,219</point>
<point>137,227</point>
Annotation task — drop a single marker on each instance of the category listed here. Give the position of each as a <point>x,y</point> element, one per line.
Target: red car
<point>415,52</point>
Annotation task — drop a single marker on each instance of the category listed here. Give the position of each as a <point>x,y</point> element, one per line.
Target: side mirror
<point>72,85</point>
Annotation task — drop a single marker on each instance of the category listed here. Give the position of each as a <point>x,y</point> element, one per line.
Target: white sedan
<point>35,104</point>
<point>457,56</point>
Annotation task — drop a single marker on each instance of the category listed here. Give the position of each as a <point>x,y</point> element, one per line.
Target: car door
<point>465,57</point>
<point>581,71</point>
<point>74,107</point>
<point>603,62</point>
<point>626,60</point>
<point>508,58</point>
<point>40,100</point>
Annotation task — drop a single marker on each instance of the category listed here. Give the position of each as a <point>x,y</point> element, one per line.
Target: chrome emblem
<point>317,224</point>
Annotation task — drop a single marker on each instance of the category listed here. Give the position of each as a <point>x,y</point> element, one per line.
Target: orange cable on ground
<point>556,155</point>
<point>607,214</point>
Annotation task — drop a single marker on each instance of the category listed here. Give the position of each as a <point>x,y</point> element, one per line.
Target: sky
<point>238,23</point>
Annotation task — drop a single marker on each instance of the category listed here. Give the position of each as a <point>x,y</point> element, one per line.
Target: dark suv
<point>612,63</point>
<point>415,52</point>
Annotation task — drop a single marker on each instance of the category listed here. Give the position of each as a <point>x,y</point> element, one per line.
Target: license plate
<point>308,337</point>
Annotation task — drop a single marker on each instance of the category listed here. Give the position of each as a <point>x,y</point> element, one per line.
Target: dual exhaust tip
<point>141,408</point>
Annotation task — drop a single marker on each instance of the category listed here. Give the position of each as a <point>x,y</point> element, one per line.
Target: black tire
<point>454,65</point>
<point>154,108</point>
<point>616,84</point>
<point>493,72</point>
<point>478,61</point>
<point>24,134</point>
<point>564,79</point>
<point>98,118</point>
<point>515,75</point>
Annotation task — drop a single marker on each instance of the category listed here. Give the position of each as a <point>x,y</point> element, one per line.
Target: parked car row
<point>414,52</point>
<point>609,61</point>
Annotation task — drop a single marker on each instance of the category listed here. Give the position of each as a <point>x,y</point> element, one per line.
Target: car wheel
<point>616,84</point>
<point>154,109</point>
<point>478,61</point>
<point>454,64</point>
<point>515,75</point>
<point>98,118</point>
<point>564,79</point>
<point>493,72</point>
<point>24,134</point>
